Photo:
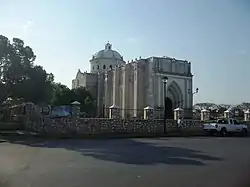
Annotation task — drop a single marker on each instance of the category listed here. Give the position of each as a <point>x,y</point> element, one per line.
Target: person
<point>179,123</point>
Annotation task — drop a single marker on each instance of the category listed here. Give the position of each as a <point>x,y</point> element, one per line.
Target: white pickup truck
<point>225,126</point>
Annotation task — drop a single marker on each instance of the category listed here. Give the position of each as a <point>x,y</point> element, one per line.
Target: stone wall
<point>99,126</point>
<point>45,125</point>
<point>35,121</point>
<point>110,126</point>
<point>95,126</point>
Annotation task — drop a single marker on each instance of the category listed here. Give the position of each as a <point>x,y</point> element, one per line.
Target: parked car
<point>225,127</point>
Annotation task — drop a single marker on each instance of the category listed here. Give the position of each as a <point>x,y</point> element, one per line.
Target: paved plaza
<point>156,162</point>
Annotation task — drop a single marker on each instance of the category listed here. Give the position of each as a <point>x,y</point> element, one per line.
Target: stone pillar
<point>100,93</point>
<point>124,91</point>
<point>158,91</point>
<point>247,115</point>
<point>135,65</point>
<point>148,112</point>
<point>105,95</point>
<point>150,88</point>
<point>28,110</point>
<point>227,114</point>
<point>98,104</point>
<point>205,115</point>
<point>236,112</point>
<point>114,111</point>
<point>178,113</point>
<point>116,86</point>
<point>75,114</point>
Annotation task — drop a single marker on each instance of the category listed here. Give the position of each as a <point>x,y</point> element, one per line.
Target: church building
<point>134,85</point>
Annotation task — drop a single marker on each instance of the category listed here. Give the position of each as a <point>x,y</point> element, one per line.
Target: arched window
<point>104,66</point>
<point>97,66</point>
<point>110,66</point>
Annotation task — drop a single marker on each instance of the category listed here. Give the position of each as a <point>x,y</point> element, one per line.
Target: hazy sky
<point>213,34</point>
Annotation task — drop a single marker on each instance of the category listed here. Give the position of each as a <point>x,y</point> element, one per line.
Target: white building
<point>137,84</point>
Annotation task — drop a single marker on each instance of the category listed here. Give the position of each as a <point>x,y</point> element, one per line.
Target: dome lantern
<point>108,46</point>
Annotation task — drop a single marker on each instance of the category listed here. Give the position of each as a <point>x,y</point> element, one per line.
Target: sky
<point>213,34</point>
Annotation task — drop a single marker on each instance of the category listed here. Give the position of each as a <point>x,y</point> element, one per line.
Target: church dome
<point>107,53</point>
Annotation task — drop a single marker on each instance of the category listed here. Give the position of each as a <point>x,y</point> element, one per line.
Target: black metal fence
<point>134,113</point>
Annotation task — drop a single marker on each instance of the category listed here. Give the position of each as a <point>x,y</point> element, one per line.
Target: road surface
<point>156,162</point>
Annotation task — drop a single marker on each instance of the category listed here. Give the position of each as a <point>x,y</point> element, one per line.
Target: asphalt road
<point>158,162</point>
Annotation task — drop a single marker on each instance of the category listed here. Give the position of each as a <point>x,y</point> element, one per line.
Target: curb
<point>93,136</point>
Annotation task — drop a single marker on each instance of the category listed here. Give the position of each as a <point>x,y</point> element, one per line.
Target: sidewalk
<point>18,133</point>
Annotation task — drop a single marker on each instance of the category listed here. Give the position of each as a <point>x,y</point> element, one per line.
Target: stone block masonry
<point>102,126</point>
<point>117,126</point>
<point>72,125</point>
<point>36,121</point>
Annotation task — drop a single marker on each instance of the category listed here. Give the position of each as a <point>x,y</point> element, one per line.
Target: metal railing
<point>134,113</point>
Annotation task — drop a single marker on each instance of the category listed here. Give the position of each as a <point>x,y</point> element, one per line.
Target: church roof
<point>108,53</point>
<point>78,73</point>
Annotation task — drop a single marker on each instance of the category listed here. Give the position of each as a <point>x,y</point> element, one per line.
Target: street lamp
<point>196,91</point>
<point>193,93</point>
<point>165,81</point>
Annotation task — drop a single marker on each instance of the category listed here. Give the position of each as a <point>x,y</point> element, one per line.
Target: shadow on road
<point>126,151</point>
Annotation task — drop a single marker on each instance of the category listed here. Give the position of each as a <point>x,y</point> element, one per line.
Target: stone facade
<point>137,84</point>
<point>86,80</point>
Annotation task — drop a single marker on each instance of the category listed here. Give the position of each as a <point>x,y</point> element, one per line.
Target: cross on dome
<point>108,46</point>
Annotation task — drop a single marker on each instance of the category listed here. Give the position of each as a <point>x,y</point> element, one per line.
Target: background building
<point>137,84</point>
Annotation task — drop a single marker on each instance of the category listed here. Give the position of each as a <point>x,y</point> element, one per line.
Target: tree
<point>36,88</point>
<point>85,98</point>
<point>64,96</point>
<point>3,92</point>
<point>19,77</point>
<point>244,106</point>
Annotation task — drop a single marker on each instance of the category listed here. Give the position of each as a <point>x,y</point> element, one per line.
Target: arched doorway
<point>169,108</point>
<point>175,95</point>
